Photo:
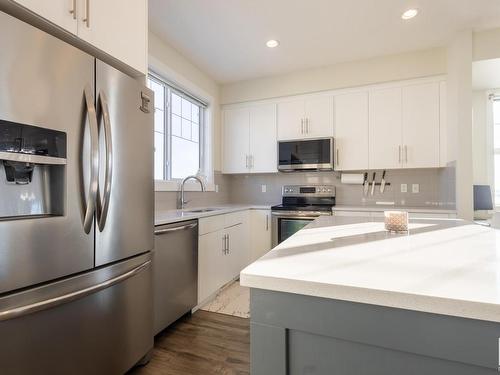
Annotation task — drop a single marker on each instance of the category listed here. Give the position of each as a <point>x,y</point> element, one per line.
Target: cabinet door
<point>117,27</point>
<point>60,12</point>
<point>421,125</point>
<point>211,264</point>
<point>260,229</point>
<point>351,131</point>
<point>239,250</point>
<point>385,129</point>
<point>263,144</point>
<point>236,140</point>
<point>319,116</point>
<point>291,120</point>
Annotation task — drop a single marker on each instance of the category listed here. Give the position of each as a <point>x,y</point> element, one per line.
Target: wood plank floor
<point>204,343</point>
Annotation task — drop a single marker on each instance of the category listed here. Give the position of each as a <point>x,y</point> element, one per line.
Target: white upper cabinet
<point>421,125</point>
<point>310,117</point>
<point>319,116</point>
<point>291,120</point>
<point>385,148</point>
<point>263,145</point>
<point>250,139</point>
<point>60,12</point>
<point>119,28</point>
<point>236,140</point>
<point>351,131</point>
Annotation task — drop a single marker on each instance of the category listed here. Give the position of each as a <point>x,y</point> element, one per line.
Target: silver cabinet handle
<point>301,126</point>
<point>337,161</point>
<point>399,148</point>
<point>86,17</point>
<point>251,161</point>
<point>65,298</point>
<point>102,209</point>
<point>227,239</point>
<point>307,125</point>
<point>246,161</point>
<point>175,229</point>
<point>267,222</point>
<point>224,244</point>
<point>406,154</point>
<point>72,11</point>
<point>94,161</point>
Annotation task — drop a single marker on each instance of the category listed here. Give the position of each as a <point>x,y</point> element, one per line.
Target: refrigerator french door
<point>76,209</point>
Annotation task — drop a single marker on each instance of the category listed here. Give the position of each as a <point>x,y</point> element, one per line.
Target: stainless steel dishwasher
<point>175,272</point>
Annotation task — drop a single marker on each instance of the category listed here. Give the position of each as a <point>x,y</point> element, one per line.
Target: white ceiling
<point>226,38</point>
<point>486,74</point>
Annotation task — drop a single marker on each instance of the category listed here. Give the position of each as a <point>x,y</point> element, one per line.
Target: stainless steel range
<point>300,205</point>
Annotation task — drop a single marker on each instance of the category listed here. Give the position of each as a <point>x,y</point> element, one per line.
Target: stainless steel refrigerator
<point>76,209</point>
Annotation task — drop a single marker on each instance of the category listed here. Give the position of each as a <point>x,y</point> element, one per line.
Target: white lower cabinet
<point>223,251</point>
<point>260,229</point>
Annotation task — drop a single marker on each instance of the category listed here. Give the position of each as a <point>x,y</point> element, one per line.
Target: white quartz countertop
<point>442,266</point>
<point>173,216</point>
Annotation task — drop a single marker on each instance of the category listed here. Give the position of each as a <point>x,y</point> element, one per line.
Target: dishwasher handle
<point>175,229</point>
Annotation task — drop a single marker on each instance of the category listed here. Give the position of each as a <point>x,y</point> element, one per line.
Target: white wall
<point>486,45</point>
<point>165,60</point>
<point>459,119</point>
<point>381,69</point>
<point>482,139</point>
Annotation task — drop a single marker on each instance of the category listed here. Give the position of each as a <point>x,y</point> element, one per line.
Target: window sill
<point>161,185</point>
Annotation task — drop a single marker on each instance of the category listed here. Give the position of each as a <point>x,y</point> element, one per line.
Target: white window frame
<point>493,96</point>
<point>162,72</point>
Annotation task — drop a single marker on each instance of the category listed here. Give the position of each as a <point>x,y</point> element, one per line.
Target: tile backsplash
<point>436,189</point>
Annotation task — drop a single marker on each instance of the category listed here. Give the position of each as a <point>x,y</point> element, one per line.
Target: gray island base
<point>294,334</point>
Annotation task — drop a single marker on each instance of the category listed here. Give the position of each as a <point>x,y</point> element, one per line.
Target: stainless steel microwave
<point>306,155</point>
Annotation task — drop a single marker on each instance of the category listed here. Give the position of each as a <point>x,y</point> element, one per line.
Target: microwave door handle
<point>102,212</point>
<point>90,203</point>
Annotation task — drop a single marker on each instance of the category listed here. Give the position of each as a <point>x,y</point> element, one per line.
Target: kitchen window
<point>179,131</point>
<point>496,146</point>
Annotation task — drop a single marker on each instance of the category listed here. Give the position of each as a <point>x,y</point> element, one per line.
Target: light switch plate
<point>404,188</point>
<point>264,188</point>
<point>415,188</point>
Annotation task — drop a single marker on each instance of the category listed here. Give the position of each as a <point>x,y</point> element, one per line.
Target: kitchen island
<point>343,296</point>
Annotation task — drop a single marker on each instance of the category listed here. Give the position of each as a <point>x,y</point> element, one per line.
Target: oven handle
<point>299,214</point>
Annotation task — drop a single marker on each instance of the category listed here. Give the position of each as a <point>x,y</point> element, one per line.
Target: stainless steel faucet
<point>182,201</point>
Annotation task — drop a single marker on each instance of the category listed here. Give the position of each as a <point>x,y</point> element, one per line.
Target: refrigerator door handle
<point>102,209</point>
<point>94,161</point>
<point>18,312</point>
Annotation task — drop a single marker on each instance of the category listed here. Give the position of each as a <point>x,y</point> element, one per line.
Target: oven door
<point>311,154</point>
<point>287,223</point>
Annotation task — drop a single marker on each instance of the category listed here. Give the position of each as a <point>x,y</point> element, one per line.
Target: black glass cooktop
<point>286,207</point>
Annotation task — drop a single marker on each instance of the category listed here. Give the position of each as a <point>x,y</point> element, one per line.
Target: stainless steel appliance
<point>76,209</point>
<point>306,155</point>
<point>175,272</point>
<point>300,205</point>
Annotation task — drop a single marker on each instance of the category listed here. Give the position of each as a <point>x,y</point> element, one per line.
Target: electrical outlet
<point>404,188</point>
<point>415,188</point>
<point>264,188</point>
<point>216,188</point>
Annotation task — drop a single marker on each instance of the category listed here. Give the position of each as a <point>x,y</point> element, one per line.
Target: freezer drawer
<point>99,322</point>
<point>175,272</point>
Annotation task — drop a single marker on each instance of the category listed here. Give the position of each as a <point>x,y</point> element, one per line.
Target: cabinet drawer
<point>235,218</point>
<point>211,224</point>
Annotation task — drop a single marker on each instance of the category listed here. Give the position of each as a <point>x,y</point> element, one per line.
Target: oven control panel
<point>308,190</point>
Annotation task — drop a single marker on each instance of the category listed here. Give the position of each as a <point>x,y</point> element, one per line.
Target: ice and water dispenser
<point>32,171</point>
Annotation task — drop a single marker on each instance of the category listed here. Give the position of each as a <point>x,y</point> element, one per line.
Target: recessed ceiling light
<point>272,43</point>
<point>410,13</point>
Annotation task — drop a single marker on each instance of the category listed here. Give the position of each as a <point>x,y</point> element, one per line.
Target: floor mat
<point>233,300</point>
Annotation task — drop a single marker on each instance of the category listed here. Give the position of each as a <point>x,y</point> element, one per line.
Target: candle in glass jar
<point>396,221</point>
